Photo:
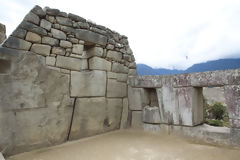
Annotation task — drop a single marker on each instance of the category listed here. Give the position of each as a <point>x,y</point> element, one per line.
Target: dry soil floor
<point>131,145</point>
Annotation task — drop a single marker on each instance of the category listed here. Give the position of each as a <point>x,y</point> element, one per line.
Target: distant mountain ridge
<point>221,64</point>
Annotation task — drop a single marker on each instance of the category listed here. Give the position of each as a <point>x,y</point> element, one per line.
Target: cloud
<point>161,33</point>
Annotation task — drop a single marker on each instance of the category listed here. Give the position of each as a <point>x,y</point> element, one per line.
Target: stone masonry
<point>2,33</point>
<point>63,78</point>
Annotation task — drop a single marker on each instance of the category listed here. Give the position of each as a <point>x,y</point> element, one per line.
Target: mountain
<point>220,64</point>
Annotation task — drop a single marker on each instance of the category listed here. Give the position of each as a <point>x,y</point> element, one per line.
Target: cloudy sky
<point>162,33</point>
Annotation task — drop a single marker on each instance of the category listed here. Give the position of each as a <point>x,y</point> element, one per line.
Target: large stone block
<point>114,55</point>
<point>91,37</point>
<point>151,114</point>
<point>95,115</point>
<point>95,51</point>
<point>119,68</point>
<point>50,41</point>
<point>33,37</point>
<point>124,118</point>
<point>116,89</point>
<point>33,28</point>
<point>64,21</point>
<point>138,98</point>
<point>16,43</point>
<point>77,49</point>
<point>46,24</point>
<point>232,96</point>
<point>41,49</point>
<point>136,122</point>
<point>88,84</point>
<point>69,63</point>
<point>146,82</point>
<point>20,33</point>
<point>31,17</point>
<point>58,34</point>
<point>99,64</point>
<point>38,109</point>
<point>180,106</point>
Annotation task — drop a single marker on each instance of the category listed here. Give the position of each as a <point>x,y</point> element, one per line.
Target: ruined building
<point>63,78</point>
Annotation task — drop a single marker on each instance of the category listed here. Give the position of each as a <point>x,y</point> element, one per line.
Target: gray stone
<point>73,40</point>
<point>110,46</point>
<point>58,51</point>
<point>62,14</point>
<point>64,21</point>
<point>88,84</point>
<point>38,11</point>
<point>16,43</point>
<point>94,116</point>
<point>46,24</point>
<point>151,114</point>
<point>41,49</point>
<point>31,17</point>
<point>127,57</point>
<point>137,120</point>
<point>137,98</point>
<point>114,55</point>
<point>121,77</point>
<point>33,28</point>
<point>112,75</point>
<point>65,44</point>
<point>124,118</point>
<point>83,25</point>
<point>52,12</point>
<point>132,72</point>
<point>58,34</point>
<point>76,17</point>
<point>119,68</point>
<point>77,49</point>
<point>51,61</point>
<point>33,37</point>
<point>95,51</point>
<point>116,89</point>
<point>132,65</point>
<point>68,30</point>
<point>51,19</point>
<point>99,64</point>
<point>20,33</point>
<point>50,41</point>
<point>69,63</point>
<point>42,107</point>
<point>91,37</point>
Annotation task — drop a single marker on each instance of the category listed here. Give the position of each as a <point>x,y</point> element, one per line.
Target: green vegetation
<point>215,114</point>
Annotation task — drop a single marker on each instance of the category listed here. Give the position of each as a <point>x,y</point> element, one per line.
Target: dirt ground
<point>131,145</point>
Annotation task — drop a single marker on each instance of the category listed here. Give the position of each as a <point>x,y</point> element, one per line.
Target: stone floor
<point>131,145</point>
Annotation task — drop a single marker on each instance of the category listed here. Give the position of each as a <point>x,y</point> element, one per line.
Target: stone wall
<point>62,78</point>
<point>180,101</point>
<point>2,33</point>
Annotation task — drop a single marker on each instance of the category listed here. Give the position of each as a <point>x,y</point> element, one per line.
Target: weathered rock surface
<point>58,34</point>
<point>116,89</point>
<point>88,84</point>
<point>91,37</point>
<point>151,114</point>
<point>69,63</point>
<point>33,37</point>
<point>97,63</point>
<point>138,98</point>
<point>41,49</point>
<point>16,43</point>
<point>2,33</point>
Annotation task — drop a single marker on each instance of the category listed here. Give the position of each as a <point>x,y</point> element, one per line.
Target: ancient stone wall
<point>2,33</point>
<point>180,102</point>
<point>61,78</point>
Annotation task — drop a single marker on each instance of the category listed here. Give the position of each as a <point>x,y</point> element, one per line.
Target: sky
<point>173,34</point>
